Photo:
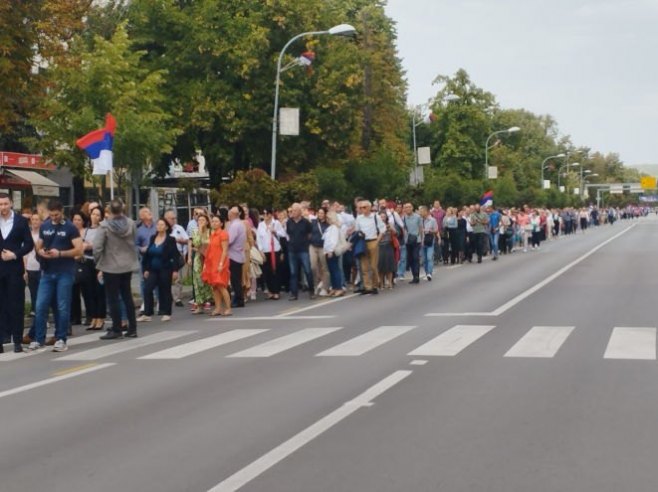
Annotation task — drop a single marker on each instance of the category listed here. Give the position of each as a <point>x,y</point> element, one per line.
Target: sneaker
<point>429,278</point>
<point>292,298</point>
<point>34,346</point>
<point>50,341</point>
<point>252,296</point>
<point>143,318</point>
<point>60,346</point>
<point>165,318</point>
<point>179,303</point>
<point>323,293</point>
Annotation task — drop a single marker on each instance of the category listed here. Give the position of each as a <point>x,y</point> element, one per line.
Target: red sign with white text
<point>25,161</point>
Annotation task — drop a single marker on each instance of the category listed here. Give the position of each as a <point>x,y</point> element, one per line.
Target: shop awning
<point>41,186</point>
<point>8,181</point>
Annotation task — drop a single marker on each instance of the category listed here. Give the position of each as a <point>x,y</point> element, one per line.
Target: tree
<point>110,79</point>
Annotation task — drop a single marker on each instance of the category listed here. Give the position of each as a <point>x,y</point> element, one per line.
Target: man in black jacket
<point>15,242</point>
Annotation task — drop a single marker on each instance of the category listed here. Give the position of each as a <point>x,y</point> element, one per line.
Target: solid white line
<point>368,341</point>
<point>268,318</point>
<point>56,379</point>
<point>286,342</point>
<point>314,306</point>
<point>202,345</point>
<point>524,295</point>
<point>632,343</point>
<point>453,341</point>
<point>268,460</point>
<point>540,341</point>
<point>121,346</point>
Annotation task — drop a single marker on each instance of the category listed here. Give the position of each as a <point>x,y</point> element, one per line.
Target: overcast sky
<point>591,64</point>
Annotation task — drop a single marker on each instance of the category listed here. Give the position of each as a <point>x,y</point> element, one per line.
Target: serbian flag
<point>487,199</point>
<point>98,146</point>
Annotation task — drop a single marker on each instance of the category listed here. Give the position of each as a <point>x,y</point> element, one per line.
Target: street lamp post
<point>339,30</point>
<point>559,172</point>
<point>486,147</point>
<point>543,166</point>
<point>415,124</point>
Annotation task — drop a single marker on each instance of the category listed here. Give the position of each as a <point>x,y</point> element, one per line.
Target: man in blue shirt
<point>59,243</point>
<point>494,231</point>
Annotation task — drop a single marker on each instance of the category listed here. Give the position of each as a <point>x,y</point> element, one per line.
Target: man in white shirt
<point>182,239</point>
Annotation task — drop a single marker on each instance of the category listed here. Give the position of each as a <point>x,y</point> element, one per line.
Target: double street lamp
<point>543,165</point>
<point>339,30</point>
<point>486,147</point>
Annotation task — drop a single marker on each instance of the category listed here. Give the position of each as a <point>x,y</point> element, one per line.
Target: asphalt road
<point>534,373</point>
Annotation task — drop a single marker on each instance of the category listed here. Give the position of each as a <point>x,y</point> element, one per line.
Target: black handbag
<point>428,240</point>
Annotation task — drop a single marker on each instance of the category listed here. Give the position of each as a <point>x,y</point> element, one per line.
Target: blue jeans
<point>333,263</point>
<point>428,259</point>
<point>295,259</point>
<point>493,240</point>
<point>61,286</point>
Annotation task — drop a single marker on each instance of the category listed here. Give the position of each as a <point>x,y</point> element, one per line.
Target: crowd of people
<point>235,253</point>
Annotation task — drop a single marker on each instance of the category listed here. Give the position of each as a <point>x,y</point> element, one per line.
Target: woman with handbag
<point>160,264</point>
<point>268,238</point>
<point>199,245</point>
<point>216,267</point>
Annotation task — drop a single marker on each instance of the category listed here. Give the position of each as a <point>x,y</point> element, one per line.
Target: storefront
<point>24,177</point>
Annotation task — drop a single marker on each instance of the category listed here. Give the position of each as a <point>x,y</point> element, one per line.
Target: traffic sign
<point>648,182</point>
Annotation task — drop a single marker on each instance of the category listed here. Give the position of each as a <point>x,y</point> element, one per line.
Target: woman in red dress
<point>216,267</point>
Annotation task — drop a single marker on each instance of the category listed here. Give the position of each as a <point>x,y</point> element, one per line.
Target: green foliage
<point>377,176</point>
<point>111,79</point>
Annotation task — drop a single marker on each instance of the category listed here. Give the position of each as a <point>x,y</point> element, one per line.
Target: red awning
<point>13,182</point>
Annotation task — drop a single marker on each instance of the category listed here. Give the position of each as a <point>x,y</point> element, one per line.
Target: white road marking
<point>632,343</point>
<point>124,345</point>
<point>453,341</point>
<point>268,460</point>
<point>315,305</point>
<point>197,346</point>
<point>267,318</point>
<point>56,379</point>
<point>71,342</point>
<point>368,341</point>
<point>281,344</point>
<point>418,362</point>
<point>524,295</point>
<point>540,341</point>
<point>92,337</point>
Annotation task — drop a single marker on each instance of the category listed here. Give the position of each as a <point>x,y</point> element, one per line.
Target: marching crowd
<point>233,253</point>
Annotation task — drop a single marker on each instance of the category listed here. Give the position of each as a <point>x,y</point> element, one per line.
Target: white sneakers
<point>143,318</point>
<point>34,346</point>
<point>60,346</point>
<point>165,318</point>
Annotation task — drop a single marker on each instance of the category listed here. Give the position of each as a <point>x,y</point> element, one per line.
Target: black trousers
<point>413,259</point>
<point>118,284</point>
<point>271,275</point>
<point>479,238</point>
<point>33,277</point>
<point>12,303</point>
<point>161,280</point>
<point>236,283</point>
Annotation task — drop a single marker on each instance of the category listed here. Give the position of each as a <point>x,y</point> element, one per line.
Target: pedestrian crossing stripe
<point>541,341</point>
<point>451,342</point>
<point>286,342</point>
<point>631,343</point>
<point>366,342</point>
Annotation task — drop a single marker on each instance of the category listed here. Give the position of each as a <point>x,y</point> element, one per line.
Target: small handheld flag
<point>98,146</point>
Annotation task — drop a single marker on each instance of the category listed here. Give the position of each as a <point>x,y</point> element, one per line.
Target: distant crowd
<point>238,254</point>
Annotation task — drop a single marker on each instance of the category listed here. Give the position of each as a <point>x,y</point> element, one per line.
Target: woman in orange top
<point>216,267</point>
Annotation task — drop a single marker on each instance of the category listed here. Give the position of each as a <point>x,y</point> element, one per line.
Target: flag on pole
<point>487,199</point>
<point>98,146</point>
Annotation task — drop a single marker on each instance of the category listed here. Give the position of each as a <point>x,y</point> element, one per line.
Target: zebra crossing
<point>624,343</point>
